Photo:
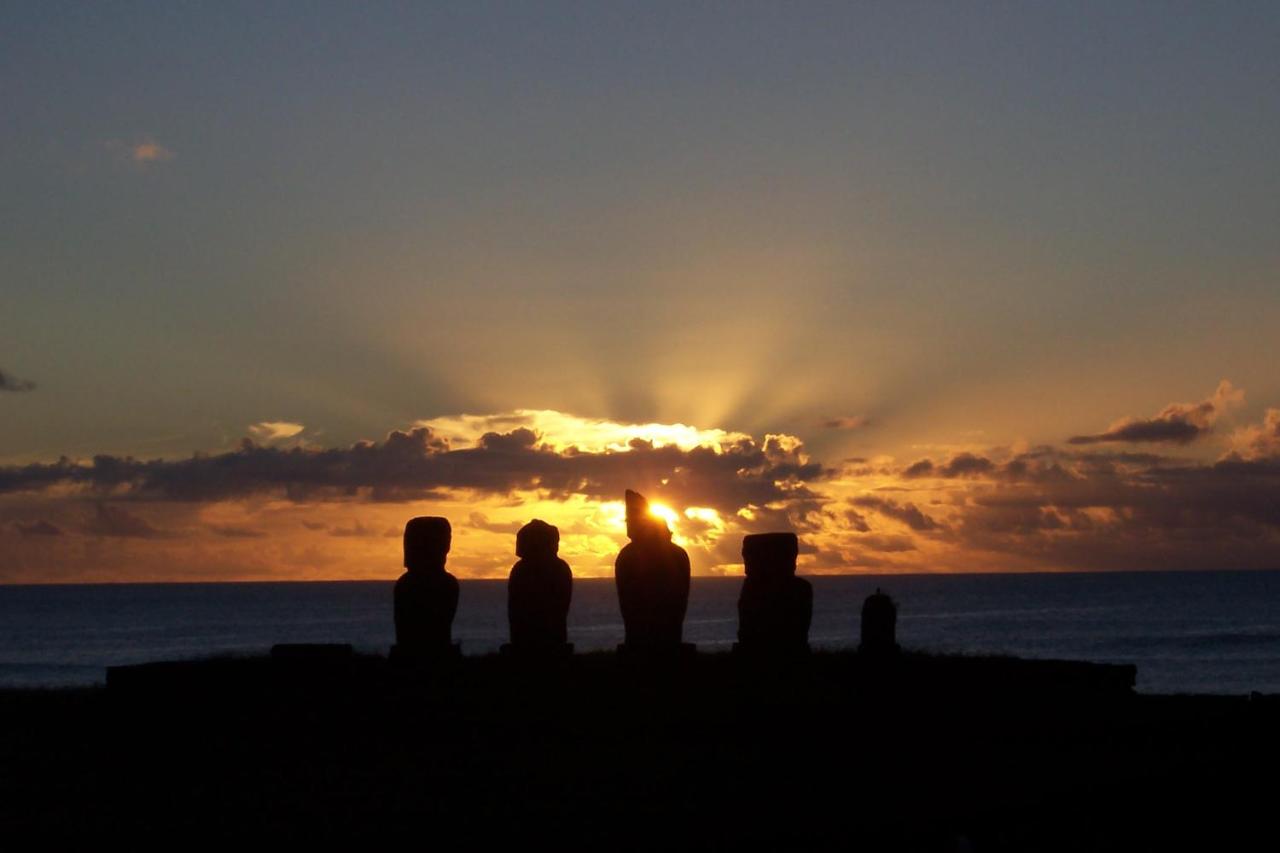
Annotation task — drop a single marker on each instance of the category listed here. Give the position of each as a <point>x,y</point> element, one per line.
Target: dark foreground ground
<point>932,754</point>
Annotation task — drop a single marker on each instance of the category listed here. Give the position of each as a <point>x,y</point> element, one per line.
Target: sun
<point>665,513</point>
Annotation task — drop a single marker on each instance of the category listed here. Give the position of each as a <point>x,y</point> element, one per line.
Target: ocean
<point>1187,632</point>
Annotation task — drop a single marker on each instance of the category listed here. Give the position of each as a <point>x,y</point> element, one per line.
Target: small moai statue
<point>538,592</point>
<point>426,595</point>
<point>652,576</point>
<point>775,607</point>
<point>879,625</point>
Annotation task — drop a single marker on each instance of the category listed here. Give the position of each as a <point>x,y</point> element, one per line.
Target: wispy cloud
<point>38,528</point>
<point>1258,441</point>
<point>960,465</point>
<point>114,521</point>
<point>234,531</point>
<point>144,151</point>
<point>1177,423</point>
<point>9,382</point>
<point>847,422</point>
<point>266,432</point>
<point>356,528</point>
<point>908,513</point>
<point>480,521</point>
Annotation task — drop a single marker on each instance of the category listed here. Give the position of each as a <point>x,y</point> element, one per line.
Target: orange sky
<point>1186,487</point>
<point>940,290</point>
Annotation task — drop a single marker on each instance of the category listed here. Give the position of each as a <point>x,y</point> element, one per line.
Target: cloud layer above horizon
<point>267,509</point>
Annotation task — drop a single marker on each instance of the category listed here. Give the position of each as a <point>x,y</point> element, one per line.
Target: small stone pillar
<point>879,625</point>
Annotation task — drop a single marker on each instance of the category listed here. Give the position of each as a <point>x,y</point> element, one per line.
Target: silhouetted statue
<point>879,625</point>
<point>426,596</point>
<point>775,606</point>
<point>539,590</point>
<point>652,574</point>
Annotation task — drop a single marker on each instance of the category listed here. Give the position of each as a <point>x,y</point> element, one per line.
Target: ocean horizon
<point>1187,632</point>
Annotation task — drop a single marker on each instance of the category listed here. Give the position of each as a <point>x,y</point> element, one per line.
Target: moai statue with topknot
<point>775,607</point>
<point>538,592</point>
<point>652,575</point>
<point>426,595</point>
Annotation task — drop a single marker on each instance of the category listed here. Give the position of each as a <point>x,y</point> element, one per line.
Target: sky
<point>938,286</point>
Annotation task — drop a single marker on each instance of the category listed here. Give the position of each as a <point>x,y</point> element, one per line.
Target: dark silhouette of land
<point>426,595</point>
<point>539,591</point>
<point>652,576</point>
<point>836,752</point>
<point>775,607</point>
<point>882,749</point>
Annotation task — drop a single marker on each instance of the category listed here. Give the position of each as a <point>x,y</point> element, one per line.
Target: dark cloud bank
<point>1049,507</point>
<point>1113,510</point>
<point>418,465</point>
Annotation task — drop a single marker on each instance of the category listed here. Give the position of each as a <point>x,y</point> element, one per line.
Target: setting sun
<point>666,513</point>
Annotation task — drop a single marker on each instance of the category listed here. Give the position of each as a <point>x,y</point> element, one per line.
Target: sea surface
<point>1187,632</point>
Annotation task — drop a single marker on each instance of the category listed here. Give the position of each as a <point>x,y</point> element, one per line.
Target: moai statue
<point>426,596</point>
<point>538,591</point>
<point>775,607</point>
<point>652,575</point>
<point>879,625</point>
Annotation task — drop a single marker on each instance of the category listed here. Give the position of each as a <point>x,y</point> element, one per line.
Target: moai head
<point>641,523</point>
<point>426,542</point>
<point>537,539</point>
<point>769,556</point>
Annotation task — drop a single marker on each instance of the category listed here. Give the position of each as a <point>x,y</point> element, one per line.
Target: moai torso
<point>775,607</point>
<point>539,591</point>
<point>538,595</point>
<point>425,604</point>
<point>653,591</point>
<point>426,596</point>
